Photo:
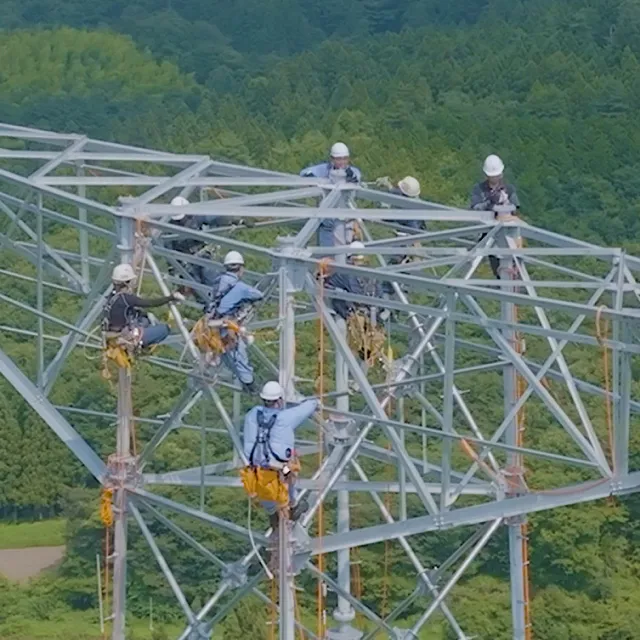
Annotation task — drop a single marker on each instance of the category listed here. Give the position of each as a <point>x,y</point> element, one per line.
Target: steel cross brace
<point>377,408</point>
<point>507,508</point>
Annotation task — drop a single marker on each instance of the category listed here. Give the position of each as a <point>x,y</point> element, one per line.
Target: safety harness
<point>123,345</point>
<point>218,291</point>
<point>268,484</point>
<point>217,334</point>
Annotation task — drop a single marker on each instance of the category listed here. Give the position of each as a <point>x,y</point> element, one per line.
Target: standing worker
<point>269,442</point>
<point>124,311</point>
<point>493,193</point>
<point>338,168</point>
<point>230,299</point>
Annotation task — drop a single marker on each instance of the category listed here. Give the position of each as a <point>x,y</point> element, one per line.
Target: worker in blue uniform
<point>338,168</point>
<point>204,275</point>
<point>231,298</point>
<point>269,440</point>
<point>492,193</point>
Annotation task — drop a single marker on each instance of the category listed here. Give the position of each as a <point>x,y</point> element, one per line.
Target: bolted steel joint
<point>404,634</point>
<point>340,431</point>
<point>200,632</point>
<point>236,574</point>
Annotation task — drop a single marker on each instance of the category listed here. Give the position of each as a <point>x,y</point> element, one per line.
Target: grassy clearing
<point>79,626</point>
<point>45,533</point>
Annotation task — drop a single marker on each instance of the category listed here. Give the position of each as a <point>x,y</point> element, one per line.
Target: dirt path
<point>22,564</point>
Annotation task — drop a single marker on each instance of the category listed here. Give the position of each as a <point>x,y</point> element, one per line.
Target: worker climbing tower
<point>449,399</point>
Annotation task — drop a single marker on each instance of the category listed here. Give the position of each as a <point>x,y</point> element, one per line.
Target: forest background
<point>421,87</point>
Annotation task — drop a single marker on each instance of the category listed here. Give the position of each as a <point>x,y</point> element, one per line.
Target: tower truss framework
<point>459,455</point>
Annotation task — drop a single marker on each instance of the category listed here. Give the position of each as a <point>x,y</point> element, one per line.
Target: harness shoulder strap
<point>111,300</point>
<point>218,292</point>
<point>129,311</point>
<point>263,436</point>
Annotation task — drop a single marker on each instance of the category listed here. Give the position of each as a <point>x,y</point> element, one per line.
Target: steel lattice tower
<point>460,331</point>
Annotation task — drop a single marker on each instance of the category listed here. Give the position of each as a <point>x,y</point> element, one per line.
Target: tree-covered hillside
<point>426,87</point>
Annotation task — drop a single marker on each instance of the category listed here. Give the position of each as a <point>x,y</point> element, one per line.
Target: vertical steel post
<point>40,296</point>
<point>84,234</point>
<point>123,459</point>
<point>423,418</point>
<point>287,370</point>
<point>402,472</point>
<point>344,613</point>
<point>203,451</point>
<point>235,416</point>
<point>287,332</point>
<point>447,393</point>
<point>100,601</point>
<point>513,469</point>
<point>621,387</point>
<point>287,602</point>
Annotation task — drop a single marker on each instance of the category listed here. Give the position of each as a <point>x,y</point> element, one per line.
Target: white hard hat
<point>123,273</point>
<point>233,257</point>
<point>339,150</point>
<point>179,201</point>
<point>409,186</point>
<point>272,391</point>
<point>493,166</point>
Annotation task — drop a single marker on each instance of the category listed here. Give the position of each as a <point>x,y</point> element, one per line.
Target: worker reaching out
<point>337,168</point>
<point>269,442</point>
<point>231,299</point>
<point>124,311</point>
<point>408,187</point>
<point>493,193</point>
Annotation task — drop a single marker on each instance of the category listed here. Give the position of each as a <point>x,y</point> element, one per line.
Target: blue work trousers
<point>154,334</point>
<point>237,360</point>
<point>272,507</point>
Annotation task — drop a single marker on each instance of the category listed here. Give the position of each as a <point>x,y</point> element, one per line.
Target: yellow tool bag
<point>365,338</point>
<point>121,347</point>
<point>266,485</point>
<point>209,339</point>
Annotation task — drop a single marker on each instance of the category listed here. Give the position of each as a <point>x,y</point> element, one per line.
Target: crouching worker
<point>204,275</point>
<point>124,317</point>
<point>364,322</point>
<point>269,439</point>
<point>229,303</point>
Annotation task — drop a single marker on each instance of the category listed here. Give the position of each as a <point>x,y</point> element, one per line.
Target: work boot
<point>251,388</point>
<point>299,510</point>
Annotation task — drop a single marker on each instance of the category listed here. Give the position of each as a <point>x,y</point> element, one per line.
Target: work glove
<point>351,175</point>
<point>504,197</point>
<point>384,182</point>
<point>384,315</point>
<point>177,296</point>
<point>494,198</point>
